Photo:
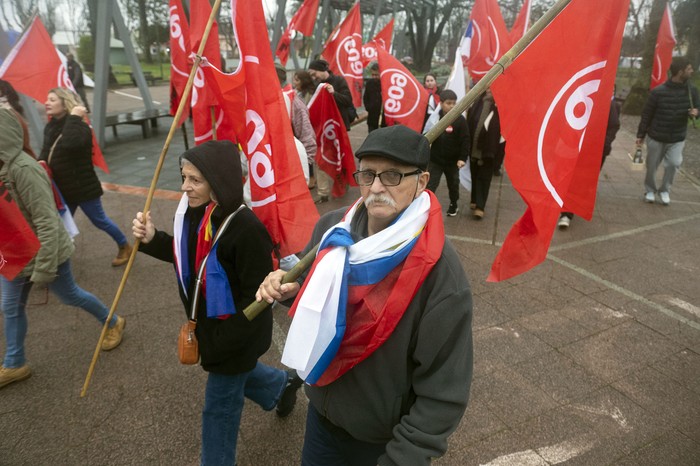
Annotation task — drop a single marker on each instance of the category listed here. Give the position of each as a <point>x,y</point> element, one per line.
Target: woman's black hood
<point>220,165</point>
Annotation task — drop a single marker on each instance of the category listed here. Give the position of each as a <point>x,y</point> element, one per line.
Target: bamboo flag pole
<point>152,189</point>
<point>252,311</point>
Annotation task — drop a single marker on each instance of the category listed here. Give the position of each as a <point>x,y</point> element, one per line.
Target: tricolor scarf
<point>373,280</point>
<point>215,285</point>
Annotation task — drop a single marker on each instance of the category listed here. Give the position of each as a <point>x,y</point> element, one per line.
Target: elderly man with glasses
<point>382,322</point>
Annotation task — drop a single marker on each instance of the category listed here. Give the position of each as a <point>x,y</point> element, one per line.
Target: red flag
<point>522,22</point>
<point>382,39</point>
<point>663,52</point>
<point>18,243</point>
<point>33,67</point>
<point>489,37</point>
<point>342,52</point>
<point>335,155</point>
<point>280,195</point>
<point>303,22</point>
<point>207,115</point>
<point>179,57</point>
<point>405,99</point>
<point>553,115</point>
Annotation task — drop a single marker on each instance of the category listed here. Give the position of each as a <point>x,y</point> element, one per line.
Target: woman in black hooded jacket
<point>229,343</point>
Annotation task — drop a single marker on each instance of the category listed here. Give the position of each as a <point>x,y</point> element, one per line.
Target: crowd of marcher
<point>392,381</point>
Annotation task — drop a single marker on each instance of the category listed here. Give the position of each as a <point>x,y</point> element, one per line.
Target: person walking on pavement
<point>67,150</point>
<point>26,182</point>
<point>449,152</point>
<point>321,74</point>
<point>664,122</point>
<point>236,263</point>
<point>396,383</point>
<point>75,74</point>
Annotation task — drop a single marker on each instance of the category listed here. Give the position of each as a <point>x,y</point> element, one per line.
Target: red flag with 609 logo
<point>382,39</point>
<point>553,116</point>
<point>179,57</point>
<point>279,193</point>
<point>404,98</point>
<point>334,155</point>
<point>663,52</point>
<point>342,52</point>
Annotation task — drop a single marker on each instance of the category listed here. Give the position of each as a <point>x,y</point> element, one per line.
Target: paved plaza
<point>591,358</point>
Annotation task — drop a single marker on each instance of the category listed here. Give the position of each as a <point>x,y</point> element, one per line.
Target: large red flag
<point>303,22</point>
<point>33,67</point>
<point>280,195</point>
<point>342,52</point>
<point>335,155</point>
<point>522,22</point>
<point>553,116</point>
<point>18,243</point>
<point>405,99</point>
<point>179,57</point>
<point>382,39</point>
<point>663,52</point>
<point>489,39</point>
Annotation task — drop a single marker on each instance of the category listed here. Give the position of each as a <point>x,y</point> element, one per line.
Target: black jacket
<point>343,98</point>
<point>229,346</point>
<point>487,143</point>
<point>233,345</point>
<point>71,162</point>
<point>665,114</point>
<point>452,145</point>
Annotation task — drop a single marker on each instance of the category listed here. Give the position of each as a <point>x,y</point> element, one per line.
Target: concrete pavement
<point>592,358</point>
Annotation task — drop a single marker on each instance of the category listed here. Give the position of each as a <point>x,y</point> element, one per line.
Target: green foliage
<point>86,52</point>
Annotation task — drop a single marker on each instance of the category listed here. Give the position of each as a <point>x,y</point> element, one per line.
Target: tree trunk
<point>634,103</point>
<point>143,27</point>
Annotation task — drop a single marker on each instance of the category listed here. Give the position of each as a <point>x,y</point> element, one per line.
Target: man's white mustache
<point>379,199</point>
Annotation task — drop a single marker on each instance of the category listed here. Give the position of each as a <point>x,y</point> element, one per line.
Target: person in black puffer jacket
<point>229,343</point>
<point>664,122</point>
<point>67,150</point>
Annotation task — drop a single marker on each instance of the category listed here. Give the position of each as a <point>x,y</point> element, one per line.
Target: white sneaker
<point>649,197</point>
<point>665,198</point>
<point>564,222</point>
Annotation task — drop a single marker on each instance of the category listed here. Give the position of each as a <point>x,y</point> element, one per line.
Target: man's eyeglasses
<point>388,177</point>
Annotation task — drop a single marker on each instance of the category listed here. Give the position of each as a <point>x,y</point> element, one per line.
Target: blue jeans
<point>14,301</point>
<point>94,211</point>
<point>223,404</point>
<point>329,445</point>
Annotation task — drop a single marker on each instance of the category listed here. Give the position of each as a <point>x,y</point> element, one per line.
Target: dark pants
<point>482,173</point>
<point>329,445</point>
<point>451,175</point>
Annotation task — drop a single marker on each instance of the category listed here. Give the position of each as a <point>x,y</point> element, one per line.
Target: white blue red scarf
<point>215,285</point>
<point>365,276</point>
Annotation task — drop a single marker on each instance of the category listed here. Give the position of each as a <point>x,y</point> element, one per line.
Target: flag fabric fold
<point>303,22</point>
<point>33,67</point>
<point>522,22</point>
<point>404,99</point>
<point>343,52</point>
<point>334,155</point>
<point>381,39</point>
<point>279,193</point>
<point>663,52</point>
<point>179,57</point>
<point>553,116</point>
<point>18,243</point>
<point>489,40</point>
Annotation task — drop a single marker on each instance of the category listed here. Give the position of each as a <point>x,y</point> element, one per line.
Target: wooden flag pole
<point>152,189</point>
<point>252,311</point>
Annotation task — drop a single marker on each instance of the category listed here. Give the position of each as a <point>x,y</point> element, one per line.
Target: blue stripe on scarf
<point>219,296</point>
<point>368,273</point>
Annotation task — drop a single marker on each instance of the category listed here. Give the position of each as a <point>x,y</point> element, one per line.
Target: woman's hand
<point>272,289</point>
<point>79,110</point>
<point>143,232</point>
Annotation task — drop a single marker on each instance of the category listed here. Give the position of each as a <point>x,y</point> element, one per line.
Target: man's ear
<point>423,179</point>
